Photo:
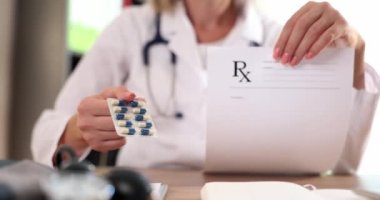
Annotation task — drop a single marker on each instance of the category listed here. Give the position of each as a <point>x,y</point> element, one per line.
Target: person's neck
<point>209,13</point>
<point>218,16</point>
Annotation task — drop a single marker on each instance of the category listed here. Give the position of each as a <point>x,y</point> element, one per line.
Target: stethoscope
<point>159,40</point>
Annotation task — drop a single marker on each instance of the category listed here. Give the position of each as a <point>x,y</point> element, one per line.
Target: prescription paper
<point>264,117</point>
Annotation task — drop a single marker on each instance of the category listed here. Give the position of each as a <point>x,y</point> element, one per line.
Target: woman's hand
<point>92,126</point>
<point>314,27</point>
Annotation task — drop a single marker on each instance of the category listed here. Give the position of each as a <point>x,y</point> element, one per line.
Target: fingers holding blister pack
<point>131,118</point>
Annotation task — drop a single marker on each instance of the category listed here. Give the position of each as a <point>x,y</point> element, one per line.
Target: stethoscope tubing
<point>159,40</point>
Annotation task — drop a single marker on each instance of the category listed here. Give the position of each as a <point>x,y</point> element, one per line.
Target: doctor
<point>170,75</point>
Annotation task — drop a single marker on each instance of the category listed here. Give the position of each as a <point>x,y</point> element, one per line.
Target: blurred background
<point>41,41</point>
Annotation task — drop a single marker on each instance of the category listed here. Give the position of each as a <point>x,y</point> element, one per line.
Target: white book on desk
<point>159,191</point>
<point>272,190</point>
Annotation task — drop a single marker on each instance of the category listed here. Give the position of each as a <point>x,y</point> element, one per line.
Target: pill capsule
<point>142,117</point>
<point>114,102</point>
<point>149,125</point>
<point>139,110</point>
<point>147,132</point>
<point>144,131</point>
<point>121,116</point>
<point>122,103</point>
<point>120,109</point>
<point>134,104</point>
<point>128,131</point>
<point>145,124</point>
<point>124,123</point>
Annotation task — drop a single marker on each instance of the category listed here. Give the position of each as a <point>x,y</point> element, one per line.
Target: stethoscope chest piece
<point>179,115</point>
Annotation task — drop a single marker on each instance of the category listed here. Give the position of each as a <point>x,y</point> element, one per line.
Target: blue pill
<point>139,117</point>
<point>128,124</point>
<point>119,109</point>
<point>131,131</point>
<point>123,123</point>
<point>142,111</point>
<point>144,124</point>
<point>144,131</point>
<point>119,116</point>
<point>134,104</point>
<point>122,103</point>
<point>148,125</point>
<point>139,110</point>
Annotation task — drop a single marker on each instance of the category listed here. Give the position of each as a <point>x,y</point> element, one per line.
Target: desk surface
<point>186,185</point>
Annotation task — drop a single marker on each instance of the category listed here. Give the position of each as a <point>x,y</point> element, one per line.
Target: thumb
<point>119,93</point>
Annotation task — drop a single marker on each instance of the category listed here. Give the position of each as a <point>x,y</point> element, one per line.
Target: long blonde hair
<point>164,5</point>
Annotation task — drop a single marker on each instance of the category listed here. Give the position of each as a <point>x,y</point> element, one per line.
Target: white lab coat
<point>116,59</point>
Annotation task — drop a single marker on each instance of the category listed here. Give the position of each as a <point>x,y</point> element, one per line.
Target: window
<point>86,19</point>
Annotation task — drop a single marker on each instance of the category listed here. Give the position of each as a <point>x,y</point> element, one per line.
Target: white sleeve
<point>103,66</point>
<point>46,134</point>
<point>361,120</point>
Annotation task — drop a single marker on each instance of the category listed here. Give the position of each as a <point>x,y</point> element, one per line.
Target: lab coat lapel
<point>176,27</point>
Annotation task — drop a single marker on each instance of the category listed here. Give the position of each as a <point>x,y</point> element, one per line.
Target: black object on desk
<point>21,179</point>
<point>128,184</point>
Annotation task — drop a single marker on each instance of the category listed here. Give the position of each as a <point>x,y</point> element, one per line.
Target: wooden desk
<point>186,185</point>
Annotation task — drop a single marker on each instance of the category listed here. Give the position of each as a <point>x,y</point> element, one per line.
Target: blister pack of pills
<point>131,118</point>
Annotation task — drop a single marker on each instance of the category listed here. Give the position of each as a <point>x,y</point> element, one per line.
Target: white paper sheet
<point>264,117</point>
